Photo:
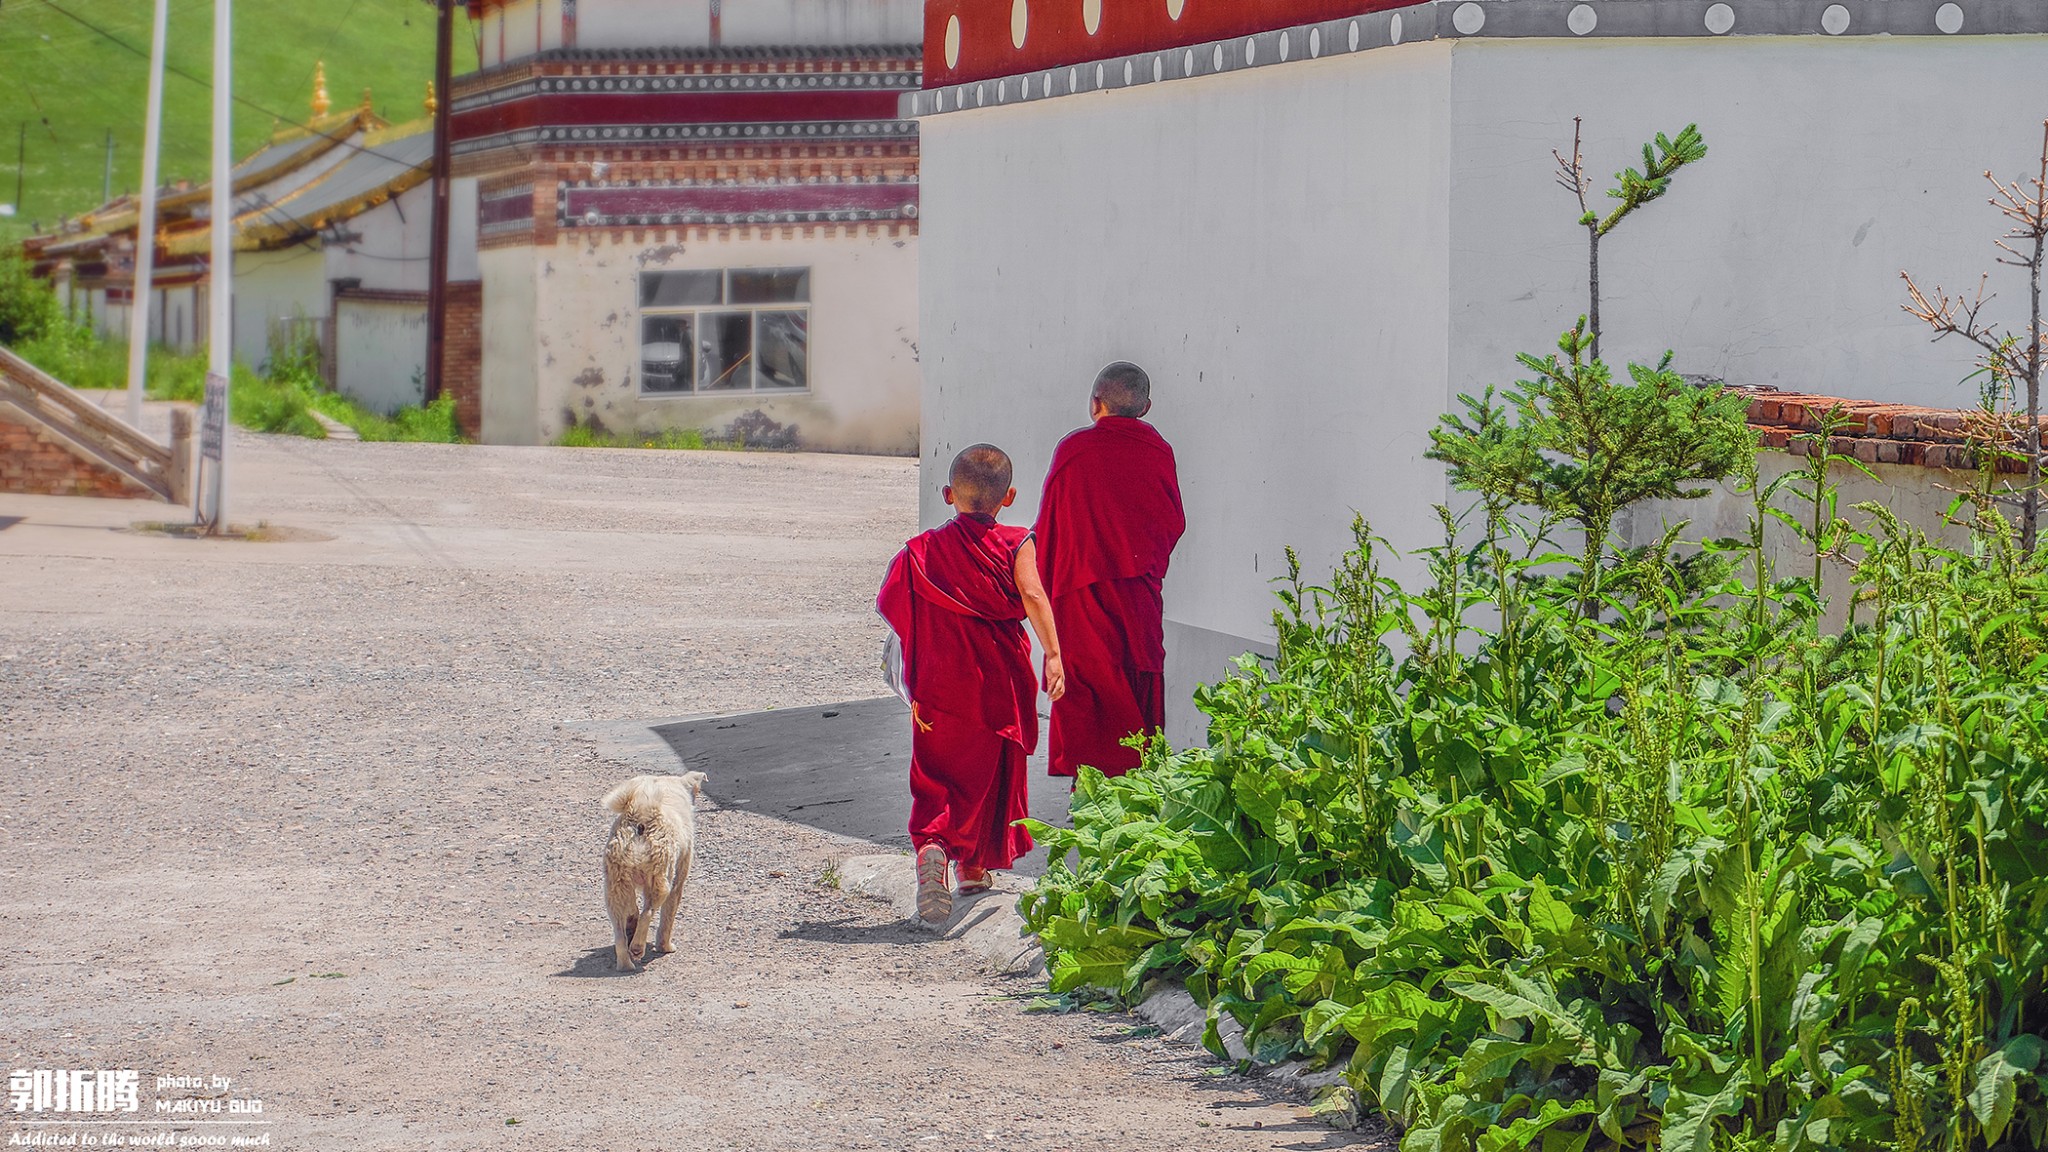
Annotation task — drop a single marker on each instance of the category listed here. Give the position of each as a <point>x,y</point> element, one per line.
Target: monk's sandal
<point>934,897</point>
<point>973,880</point>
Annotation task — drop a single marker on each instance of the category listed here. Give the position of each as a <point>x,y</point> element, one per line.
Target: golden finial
<point>366,98</point>
<point>320,101</point>
<point>432,104</point>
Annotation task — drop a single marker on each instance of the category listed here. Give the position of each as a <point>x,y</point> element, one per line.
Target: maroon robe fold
<point>951,598</point>
<point>1107,524</point>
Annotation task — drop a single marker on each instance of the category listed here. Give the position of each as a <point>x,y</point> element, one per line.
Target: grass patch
<point>424,424</point>
<point>585,436</point>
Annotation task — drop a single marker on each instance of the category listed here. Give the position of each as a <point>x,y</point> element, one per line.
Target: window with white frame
<point>710,331</point>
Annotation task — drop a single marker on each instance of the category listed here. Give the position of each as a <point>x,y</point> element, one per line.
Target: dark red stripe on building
<point>1057,33</point>
<point>578,109</point>
<point>505,209</point>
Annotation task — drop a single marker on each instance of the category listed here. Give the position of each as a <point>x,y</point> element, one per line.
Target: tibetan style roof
<point>384,165</point>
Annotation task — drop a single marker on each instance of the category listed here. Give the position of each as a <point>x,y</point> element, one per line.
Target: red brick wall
<point>33,461</point>
<point>462,356</point>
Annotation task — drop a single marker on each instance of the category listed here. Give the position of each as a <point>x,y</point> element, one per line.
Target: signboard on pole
<point>213,418</point>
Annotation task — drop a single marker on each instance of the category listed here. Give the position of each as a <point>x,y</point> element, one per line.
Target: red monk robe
<point>1107,524</point>
<point>951,598</point>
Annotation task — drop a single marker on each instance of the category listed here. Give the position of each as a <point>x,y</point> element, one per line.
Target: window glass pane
<point>679,289</point>
<point>725,350</point>
<point>663,365</point>
<point>782,342</point>
<point>771,285</point>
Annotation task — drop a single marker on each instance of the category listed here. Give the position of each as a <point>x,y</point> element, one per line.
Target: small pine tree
<point>1580,446</point>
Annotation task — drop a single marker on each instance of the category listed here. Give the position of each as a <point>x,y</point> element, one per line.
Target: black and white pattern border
<point>1467,19</point>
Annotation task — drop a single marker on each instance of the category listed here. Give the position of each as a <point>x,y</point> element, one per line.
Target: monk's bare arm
<point>1038,609</point>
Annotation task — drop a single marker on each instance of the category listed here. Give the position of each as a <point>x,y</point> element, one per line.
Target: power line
<point>238,97</point>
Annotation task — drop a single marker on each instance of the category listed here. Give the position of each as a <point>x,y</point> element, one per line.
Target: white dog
<point>648,858</point>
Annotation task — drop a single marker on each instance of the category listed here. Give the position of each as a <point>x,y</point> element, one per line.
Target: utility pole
<point>220,294</point>
<point>145,221</point>
<point>107,181</point>
<point>20,165</point>
<point>437,263</point>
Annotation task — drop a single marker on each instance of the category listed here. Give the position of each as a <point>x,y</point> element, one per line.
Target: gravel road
<point>321,818</point>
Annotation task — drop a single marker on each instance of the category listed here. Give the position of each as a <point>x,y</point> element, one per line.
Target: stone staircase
<point>106,456</point>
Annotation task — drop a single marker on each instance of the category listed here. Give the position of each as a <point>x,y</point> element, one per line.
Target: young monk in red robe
<point>955,597</point>
<point>1107,525</point>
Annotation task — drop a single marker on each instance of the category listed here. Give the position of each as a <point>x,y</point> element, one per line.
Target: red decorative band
<point>578,109</point>
<point>984,39</point>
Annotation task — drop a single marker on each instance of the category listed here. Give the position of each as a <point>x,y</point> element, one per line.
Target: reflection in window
<point>663,365</point>
<point>700,330</point>
<point>782,349</point>
<point>727,351</point>
<point>770,285</point>
<point>680,289</point>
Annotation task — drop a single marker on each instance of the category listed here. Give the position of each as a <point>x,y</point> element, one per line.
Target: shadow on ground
<point>841,767</point>
<point>598,964</point>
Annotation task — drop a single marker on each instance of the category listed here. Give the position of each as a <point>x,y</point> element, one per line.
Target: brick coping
<point>1878,433</point>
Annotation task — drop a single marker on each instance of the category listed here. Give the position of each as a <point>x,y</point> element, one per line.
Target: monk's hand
<point>1055,678</point>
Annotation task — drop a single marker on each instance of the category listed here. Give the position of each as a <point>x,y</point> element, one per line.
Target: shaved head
<point>980,478</point>
<point>1124,389</point>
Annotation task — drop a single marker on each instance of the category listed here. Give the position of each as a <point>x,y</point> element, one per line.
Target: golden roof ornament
<point>366,98</point>
<point>433,105</point>
<point>320,102</point>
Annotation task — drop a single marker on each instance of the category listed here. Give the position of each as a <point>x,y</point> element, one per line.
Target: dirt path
<point>321,818</point>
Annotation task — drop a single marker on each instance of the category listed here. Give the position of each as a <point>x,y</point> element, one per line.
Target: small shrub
<point>28,309</point>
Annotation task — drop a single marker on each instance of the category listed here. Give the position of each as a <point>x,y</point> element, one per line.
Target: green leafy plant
<point>1578,445</point>
<point>1694,875</point>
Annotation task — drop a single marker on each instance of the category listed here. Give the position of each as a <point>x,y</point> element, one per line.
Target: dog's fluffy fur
<point>648,858</point>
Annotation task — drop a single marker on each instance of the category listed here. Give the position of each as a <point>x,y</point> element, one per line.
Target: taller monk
<point>1107,524</point>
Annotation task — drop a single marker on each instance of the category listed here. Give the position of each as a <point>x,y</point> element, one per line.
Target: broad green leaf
<point>1997,1089</point>
<point>1690,1115</point>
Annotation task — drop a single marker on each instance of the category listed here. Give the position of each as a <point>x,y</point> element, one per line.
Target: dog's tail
<point>640,792</point>
<point>644,793</point>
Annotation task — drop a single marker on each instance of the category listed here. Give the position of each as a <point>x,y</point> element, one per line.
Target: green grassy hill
<point>72,85</point>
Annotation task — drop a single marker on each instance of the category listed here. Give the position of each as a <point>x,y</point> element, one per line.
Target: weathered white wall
<point>1918,496</point>
<point>1313,259</point>
<point>1776,259</point>
<point>380,353</point>
<point>1269,245</point>
<point>521,31</point>
<point>272,286</point>
<point>394,242</point>
<point>687,23</point>
<point>510,366</point>
<point>863,394</point>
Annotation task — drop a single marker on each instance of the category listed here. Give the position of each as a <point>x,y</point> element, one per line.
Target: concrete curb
<point>987,922</point>
<point>991,926</point>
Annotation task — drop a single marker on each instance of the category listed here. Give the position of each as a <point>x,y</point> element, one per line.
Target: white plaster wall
<point>1832,165</point>
<point>509,361</point>
<point>462,208</point>
<point>487,38</point>
<point>272,286</point>
<point>521,32</point>
<point>394,243</point>
<point>380,353</point>
<point>687,23</point>
<point>863,394</point>
<point>1918,496</point>
<point>1269,245</point>
<point>550,24</point>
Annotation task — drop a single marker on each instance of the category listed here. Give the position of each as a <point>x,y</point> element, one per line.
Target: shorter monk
<point>955,597</point>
